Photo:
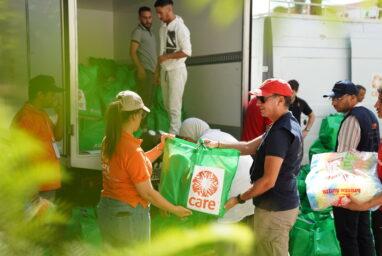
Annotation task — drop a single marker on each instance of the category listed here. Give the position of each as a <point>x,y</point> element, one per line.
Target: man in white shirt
<point>171,72</point>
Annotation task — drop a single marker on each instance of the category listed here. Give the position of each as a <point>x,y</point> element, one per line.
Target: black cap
<point>43,83</point>
<point>341,88</point>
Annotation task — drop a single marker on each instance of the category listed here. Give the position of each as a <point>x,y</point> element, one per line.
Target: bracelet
<point>307,129</point>
<point>239,200</point>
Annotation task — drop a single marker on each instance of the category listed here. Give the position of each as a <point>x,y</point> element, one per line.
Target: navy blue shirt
<point>283,140</point>
<point>369,129</point>
<point>300,106</point>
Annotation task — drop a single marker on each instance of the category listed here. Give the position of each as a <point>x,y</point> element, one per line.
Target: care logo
<point>205,184</point>
<point>206,189</point>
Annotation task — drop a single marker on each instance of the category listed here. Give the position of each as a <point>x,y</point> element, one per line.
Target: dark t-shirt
<point>299,106</point>
<point>283,141</point>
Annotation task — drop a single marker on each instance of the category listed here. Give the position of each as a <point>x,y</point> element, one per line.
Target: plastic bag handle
<point>201,144</point>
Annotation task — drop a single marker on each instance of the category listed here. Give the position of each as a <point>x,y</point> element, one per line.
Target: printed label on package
<point>206,189</point>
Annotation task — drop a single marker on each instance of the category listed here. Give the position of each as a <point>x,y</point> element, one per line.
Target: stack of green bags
<point>99,83</point>
<point>327,138</point>
<point>158,119</point>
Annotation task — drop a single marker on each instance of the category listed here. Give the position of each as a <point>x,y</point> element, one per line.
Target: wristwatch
<point>239,200</point>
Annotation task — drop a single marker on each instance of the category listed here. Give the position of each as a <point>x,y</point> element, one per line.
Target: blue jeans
<point>121,224</point>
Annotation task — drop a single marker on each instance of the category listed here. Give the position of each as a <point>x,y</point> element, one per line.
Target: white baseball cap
<point>131,101</point>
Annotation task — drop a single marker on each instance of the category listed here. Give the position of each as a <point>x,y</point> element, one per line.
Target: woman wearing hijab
<point>123,209</point>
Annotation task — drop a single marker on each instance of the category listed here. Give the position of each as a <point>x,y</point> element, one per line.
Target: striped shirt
<point>350,135</point>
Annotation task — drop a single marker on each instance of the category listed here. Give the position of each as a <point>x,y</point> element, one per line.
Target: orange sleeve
<point>28,125</point>
<point>137,168</point>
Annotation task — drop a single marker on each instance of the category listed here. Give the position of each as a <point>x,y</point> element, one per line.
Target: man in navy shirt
<point>299,106</point>
<point>273,173</point>
<point>359,130</point>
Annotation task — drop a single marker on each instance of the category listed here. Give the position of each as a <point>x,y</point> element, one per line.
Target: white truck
<point>228,60</point>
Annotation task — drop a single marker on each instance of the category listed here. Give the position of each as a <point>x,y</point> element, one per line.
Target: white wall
<point>317,53</point>
<point>13,56</point>
<point>45,39</point>
<point>95,34</point>
<point>14,44</point>
<point>367,62</point>
<point>215,88</point>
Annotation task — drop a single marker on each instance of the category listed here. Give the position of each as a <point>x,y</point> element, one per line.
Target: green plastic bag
<point>126,77</point>
<point>327,139</point>
<point>158,118</point>
<point>91,133</point>
<point>107,67</point>
<point>303,172</point>
<point>318,148</point>
<point>314,235</point>
<point>88,86</point>
<point>197,177</point>
<point>329,130</point>
<point>87,219</point>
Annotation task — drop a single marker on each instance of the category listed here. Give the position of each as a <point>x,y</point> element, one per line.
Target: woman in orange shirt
<point>123,210</point>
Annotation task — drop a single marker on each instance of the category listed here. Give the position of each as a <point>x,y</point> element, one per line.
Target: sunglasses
<point>264,99</point>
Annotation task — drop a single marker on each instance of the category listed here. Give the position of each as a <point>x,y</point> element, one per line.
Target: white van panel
<point>257,53</point>
<point>366,63</point>
<point>316,54</point>
<point>213,93</point>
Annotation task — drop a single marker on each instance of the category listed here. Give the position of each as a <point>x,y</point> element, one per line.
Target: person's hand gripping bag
<point>336,176</point>
<point>197,177</point>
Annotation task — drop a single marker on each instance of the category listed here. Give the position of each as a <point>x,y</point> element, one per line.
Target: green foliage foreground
<point>22,233</point>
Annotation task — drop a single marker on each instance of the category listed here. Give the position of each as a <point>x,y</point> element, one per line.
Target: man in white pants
<point>171,72</point>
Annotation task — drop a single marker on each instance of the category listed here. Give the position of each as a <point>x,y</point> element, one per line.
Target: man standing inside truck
<point>35,121</point>
<point>171,72</point>
<point>144,56</point>
<point>358,130</point>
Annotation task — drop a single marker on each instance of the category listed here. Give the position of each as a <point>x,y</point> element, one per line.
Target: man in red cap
<point>274,171</point>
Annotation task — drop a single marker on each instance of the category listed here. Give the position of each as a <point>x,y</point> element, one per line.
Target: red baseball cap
<point>273,86</point>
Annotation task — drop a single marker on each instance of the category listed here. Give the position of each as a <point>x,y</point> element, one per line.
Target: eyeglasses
<point>264,99</point>
<point>338,99</point>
